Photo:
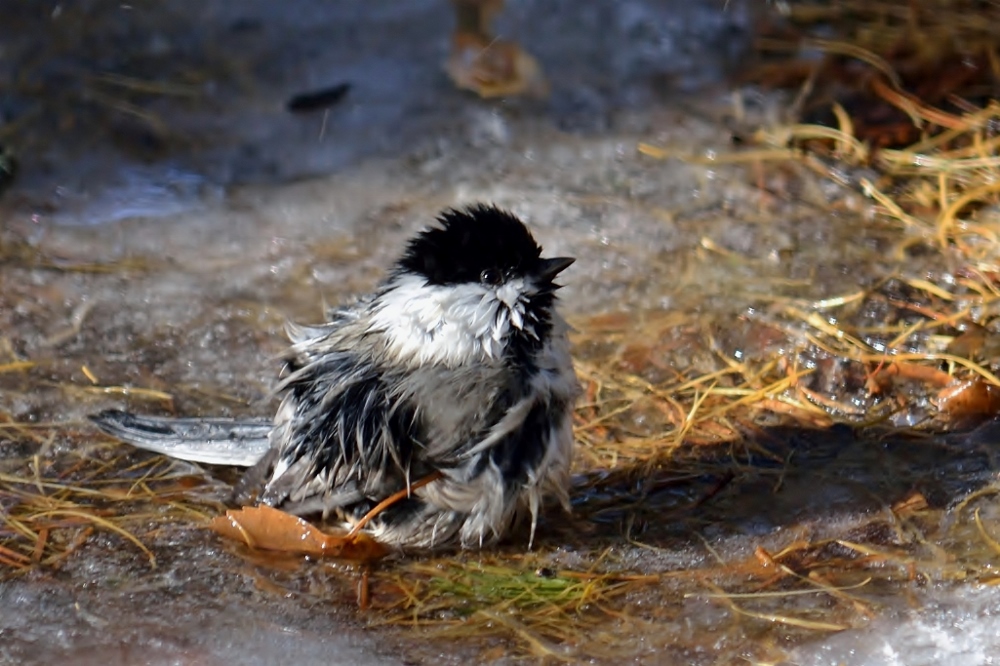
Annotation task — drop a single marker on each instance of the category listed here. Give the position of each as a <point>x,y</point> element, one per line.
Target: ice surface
<point>42,623</point>
<point>956,626</point>
<point>233,238</point>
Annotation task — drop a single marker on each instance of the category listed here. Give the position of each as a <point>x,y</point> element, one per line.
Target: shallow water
<point>167,257</point>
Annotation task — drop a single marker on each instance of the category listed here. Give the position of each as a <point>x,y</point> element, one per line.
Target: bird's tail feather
<point>213,441</point>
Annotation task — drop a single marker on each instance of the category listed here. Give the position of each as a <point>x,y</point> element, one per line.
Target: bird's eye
<point>491,276</point>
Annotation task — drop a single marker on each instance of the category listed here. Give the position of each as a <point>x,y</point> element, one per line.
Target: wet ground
<point>157,239</point>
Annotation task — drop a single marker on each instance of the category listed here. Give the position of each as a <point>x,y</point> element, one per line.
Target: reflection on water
<point>147,97</point>
<point>137,192</point>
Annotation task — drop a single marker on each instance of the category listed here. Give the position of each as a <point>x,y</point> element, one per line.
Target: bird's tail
<point>213,441</point>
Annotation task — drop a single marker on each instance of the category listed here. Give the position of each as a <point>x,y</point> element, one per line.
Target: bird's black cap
<point>472,242</point>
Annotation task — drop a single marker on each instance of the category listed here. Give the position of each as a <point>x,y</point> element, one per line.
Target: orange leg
<point>390,500</point>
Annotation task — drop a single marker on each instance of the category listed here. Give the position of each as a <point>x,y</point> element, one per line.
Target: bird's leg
<point>390,500</point>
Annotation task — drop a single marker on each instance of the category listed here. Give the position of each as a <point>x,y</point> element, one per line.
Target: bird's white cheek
<point>500,327</point>
<point>516,317</point>
<point>428,324</point>
<point>510,292</point>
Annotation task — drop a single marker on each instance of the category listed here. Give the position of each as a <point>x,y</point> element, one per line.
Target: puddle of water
<point>136,103</point>
<point>204,250</point>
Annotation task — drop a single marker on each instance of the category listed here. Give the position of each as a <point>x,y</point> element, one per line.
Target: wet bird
<point>456,369</point>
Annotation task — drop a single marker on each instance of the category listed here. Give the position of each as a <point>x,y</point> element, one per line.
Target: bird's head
<point>472,287</point>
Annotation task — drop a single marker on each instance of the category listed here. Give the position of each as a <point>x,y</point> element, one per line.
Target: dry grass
<point>610,611</point>
<point>53,503</point>
<point>933,348</point>
<point>914,348</point>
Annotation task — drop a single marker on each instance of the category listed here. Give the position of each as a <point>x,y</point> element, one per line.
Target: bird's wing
<point>341,433</point>
<point>213,441</point>
<point>515,442</point>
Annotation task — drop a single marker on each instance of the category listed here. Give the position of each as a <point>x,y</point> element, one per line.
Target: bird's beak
<point>549,268</point>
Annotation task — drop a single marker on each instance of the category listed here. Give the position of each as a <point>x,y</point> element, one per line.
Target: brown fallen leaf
<point>921,373</point>
<point>494,68</point>
<point>266,528</point>
<point>968,399</point>
<point>484,64</point>
<point>912,504</point>
<point>976,342</point>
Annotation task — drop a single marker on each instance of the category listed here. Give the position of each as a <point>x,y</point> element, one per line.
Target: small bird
<point>456,369</point>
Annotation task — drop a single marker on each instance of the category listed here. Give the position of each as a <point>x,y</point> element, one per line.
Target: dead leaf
<point>969,398</point>
<point>920,373</point>
<point>494,68</point>
<point>913,503</point>
<point>266,528</point>
<point>976,342</point>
